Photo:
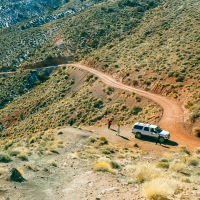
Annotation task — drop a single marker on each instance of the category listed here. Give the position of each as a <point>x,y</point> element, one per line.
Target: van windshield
<point>158,129</point>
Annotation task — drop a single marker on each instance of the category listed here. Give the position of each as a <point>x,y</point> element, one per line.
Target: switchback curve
<point>173,115</point>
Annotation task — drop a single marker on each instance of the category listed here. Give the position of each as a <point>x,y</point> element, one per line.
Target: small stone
<point>136,145</point>
<point>98,197</point>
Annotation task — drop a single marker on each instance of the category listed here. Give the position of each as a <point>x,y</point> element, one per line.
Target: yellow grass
<point>178,166</point>
<point>145,172</point>
<point>23,156</point>
<point>104,167</point>
<point>160,189</point>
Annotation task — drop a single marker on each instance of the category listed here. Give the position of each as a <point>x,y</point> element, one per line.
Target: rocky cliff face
<point>37,12</point>
<point>16,11</point>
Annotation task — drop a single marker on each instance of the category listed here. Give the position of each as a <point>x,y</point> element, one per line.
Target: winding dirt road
<point>173,116</point>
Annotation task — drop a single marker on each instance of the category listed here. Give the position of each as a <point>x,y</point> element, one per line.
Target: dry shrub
<point>14,152</point>
<point>115,165</point>
<point>196,132</point>
<point>145,172</point>
<point>183,149</point>
<point>32,166</point>
<point>178,166</point>
<point>32,140</point>
<point>186,180</point>
<point>198,150</point>
<point>102,141</point>
<point>163,163</point>
<point>23,156</point>
<point>53,163</point>
<point>91,151</point>
<point>160,189</point>
<point>92,139</point>
<point>170,156</point>
<point>193,161</point>
<point>104,167</point>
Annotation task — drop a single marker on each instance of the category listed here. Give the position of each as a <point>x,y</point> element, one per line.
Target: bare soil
<point>71,179</point>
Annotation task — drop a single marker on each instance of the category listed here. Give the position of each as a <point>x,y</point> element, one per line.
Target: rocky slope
<point>37,12</point>
<point>148,44</point>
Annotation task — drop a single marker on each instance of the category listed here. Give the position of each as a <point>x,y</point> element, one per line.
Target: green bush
<point>135,110</point>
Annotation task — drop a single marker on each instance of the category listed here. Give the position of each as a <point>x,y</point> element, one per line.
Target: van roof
<point>146,125</point>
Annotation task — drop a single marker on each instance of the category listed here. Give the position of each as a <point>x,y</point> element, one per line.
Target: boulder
<point>16,176</point>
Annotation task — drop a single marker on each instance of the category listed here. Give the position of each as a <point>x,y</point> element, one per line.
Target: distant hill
<point>37,12</point>
<point>81,33</point>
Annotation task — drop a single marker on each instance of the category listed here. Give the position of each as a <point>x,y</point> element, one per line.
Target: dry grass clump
<point>198,150</point>
<point>91,151</point>
<point>129,154</point>
<point>183,149</point>
<point>192,161</point>
<point>32,166</point>
<point>115,165</point>
<point>160,189</point>
<point>32,140</point>
<point>102,141</point>
<point>53,163</point>
<point>178,166</point>
<point>5,158</point>
<point>92,139</point>
<point>107,149</point>
<point>23,156</point>
<point>186,180</point>
<point>170,156</point>
<point>196,131</point>
<point>13,152</point>
<point>53,148</point>
<point>145,172</point>
<point>163,163</point>
<point>104,167</point>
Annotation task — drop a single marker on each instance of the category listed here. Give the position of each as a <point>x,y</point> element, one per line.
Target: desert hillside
<point>69,66</point>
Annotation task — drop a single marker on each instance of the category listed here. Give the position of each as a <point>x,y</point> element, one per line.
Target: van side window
<point>153,130</point>
<point>138,127</point>
<point>146,128</point>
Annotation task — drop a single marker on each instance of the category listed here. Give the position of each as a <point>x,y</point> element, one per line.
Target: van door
<point>146,131</point>
<point>153,133</point>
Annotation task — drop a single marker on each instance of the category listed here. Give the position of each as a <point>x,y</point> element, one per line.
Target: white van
<point>150,130</point>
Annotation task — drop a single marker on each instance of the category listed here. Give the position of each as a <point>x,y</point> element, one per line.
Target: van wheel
<point>161,139</point>
<point>138,135</point>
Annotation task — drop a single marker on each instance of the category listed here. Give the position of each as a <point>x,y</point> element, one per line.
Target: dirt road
<point>173,115</point>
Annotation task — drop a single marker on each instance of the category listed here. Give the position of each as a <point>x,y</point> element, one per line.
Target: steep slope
<point>148,44</point>
<point>70,97</point>
<point>160,55</point>
<point>78,35</point>
<point>37,12</point>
